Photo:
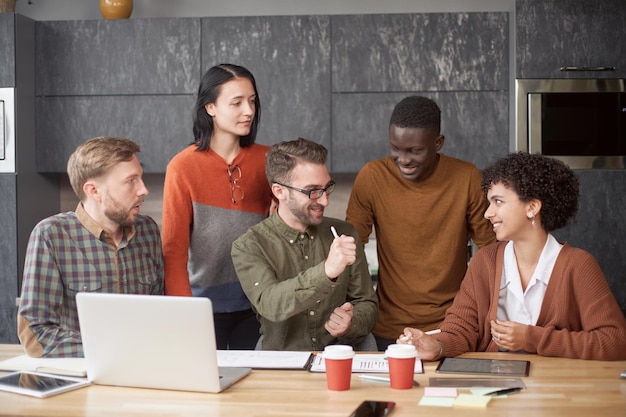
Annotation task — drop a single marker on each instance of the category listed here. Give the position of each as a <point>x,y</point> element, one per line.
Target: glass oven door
<point>582,124</point>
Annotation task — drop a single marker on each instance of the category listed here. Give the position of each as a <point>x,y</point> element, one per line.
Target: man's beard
<point>303,215</point>
<point>119,215</point>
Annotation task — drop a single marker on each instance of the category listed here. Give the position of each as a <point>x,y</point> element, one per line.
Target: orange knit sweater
<point>200,222</point>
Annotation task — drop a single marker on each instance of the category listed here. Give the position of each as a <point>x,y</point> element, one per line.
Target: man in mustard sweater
<point>424,206</point>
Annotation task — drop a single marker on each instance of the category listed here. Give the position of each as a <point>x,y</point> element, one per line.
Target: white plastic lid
<point>401,351</point>
<point>338,352</point>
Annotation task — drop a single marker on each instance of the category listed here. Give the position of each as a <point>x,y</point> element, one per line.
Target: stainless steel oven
<point>7,130</point>
<point>580,121</point>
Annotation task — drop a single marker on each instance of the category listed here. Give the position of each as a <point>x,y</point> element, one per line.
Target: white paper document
<point>366,362</point>
<point>263,359</point>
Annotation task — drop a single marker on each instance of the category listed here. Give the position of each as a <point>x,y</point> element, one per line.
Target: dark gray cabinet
<point>7,50</point>
<point>290,58</point>
<point>8,253</point>
<point>570,33</point>
<point>556,33</point>
<point>132,78</point>
<point>460,60</point>
<point>333,79</point>
<point>599,227</point>
<point>161,124</point>
<point>26,196</point>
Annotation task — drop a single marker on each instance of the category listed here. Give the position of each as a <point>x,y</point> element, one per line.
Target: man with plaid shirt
<point>105,245</point>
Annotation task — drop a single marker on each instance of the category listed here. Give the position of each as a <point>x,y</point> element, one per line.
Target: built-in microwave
<point>7,130</point>
<point>579,121</point>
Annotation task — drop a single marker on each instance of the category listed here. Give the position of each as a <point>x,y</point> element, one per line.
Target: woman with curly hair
<point>528,292</point>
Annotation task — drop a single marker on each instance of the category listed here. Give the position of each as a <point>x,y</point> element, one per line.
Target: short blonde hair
<point>95,158</point>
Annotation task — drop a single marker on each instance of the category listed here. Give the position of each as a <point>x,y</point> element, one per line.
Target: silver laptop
<point>152,341</point>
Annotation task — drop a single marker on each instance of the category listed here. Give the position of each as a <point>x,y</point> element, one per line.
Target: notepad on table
<point>59,366</point>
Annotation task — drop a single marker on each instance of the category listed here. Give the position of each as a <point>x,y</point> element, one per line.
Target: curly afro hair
<point>534,176</point>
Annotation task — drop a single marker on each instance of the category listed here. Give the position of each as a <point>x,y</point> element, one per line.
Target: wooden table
<point>555,387</point>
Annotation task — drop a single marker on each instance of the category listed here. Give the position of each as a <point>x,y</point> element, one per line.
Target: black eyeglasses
<point>234,175</point>
<point>313,193</point>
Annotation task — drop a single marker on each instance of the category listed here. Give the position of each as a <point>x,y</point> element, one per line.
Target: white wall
<point>89,9</point>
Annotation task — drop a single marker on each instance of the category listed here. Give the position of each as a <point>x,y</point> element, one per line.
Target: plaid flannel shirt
<point>69,252</point>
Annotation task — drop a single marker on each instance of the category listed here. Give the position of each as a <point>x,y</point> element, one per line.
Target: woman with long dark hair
<point>215,189</point>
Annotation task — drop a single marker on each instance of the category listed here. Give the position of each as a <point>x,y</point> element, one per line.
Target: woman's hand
<point>508,335</point>
<point>428,348</point>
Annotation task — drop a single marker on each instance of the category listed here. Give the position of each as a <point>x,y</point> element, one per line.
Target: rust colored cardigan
<point>579,317</point>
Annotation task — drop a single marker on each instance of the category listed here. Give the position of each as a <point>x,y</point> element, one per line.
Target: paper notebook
<point>255,359</point>
<point>58,366</point>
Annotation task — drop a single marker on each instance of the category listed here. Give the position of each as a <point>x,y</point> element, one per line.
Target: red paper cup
<point>338,362</point>
<point>401,360</point>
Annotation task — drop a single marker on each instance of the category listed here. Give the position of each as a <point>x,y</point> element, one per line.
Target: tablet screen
<point>38,385</point>
<point>503,367</point>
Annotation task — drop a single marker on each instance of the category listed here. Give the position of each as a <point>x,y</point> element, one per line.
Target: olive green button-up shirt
<point>282,272</point>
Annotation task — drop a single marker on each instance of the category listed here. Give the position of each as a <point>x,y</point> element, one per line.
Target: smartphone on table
<point>373,409</point>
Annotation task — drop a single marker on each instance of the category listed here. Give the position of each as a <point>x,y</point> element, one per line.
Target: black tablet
<point>39,385</point>
<point>504,367</point>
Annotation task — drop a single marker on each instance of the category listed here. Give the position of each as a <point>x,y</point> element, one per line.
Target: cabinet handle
<point>587,68</point>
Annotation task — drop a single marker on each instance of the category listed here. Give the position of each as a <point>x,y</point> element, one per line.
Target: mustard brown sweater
<point>422,230</point>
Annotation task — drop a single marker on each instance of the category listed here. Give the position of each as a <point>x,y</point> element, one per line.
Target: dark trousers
<point>383,343</point>
<point>238,330</point>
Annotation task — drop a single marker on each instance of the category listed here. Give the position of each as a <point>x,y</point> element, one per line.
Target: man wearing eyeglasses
<point>308,287</point>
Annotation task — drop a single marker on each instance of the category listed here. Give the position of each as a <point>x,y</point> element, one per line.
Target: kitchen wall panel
<point>26,196</point>
<point>475,124</point>
<point>118,57</point>
<point>557,33</point>
<point>599,226</point>
<point>420,52</point>
<point>8,201</point>
<point>305,66</point>
<point>551,34</point>
<point>133,78</point>
<point>8,248</point>
<point>161,124</point>
<point>460,60</point>
<point>8,324</point>
<point>7,50</point>
<point>290,59</point>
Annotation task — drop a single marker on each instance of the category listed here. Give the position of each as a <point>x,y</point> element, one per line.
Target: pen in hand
<point>405,338</point>
<point>332,229</point>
